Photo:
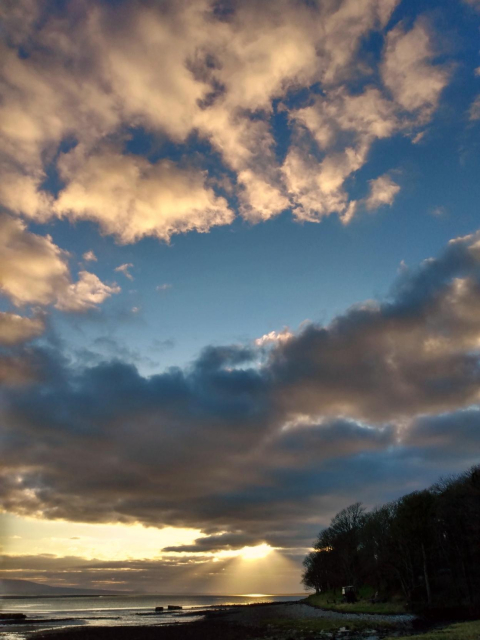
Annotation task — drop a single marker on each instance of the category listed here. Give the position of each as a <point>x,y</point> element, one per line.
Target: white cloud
<point>15,329</point>
<point>367,116</point>
<point>21,193</point>
<point>261,200</point>
<point>96,73</point>
<point>163,287</point>
<point>316,187</point>
<point>345,125</point>
<point>89,256</point>
<point>132,198</point>
<point>382,192</point>
<point>33,270</point>
<point>408,72</point>
<point>85,294</point>
<point>124,268</point>
<point>274,337</point>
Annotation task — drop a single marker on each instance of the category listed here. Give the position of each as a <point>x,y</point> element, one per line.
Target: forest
<point>423,548</point>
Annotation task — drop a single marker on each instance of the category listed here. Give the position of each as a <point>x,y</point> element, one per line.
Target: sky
<point>239,279</point>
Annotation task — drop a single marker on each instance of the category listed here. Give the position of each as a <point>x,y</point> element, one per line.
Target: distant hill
<point>27,588</point>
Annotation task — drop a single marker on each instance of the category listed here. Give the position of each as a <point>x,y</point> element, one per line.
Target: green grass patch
<point>458,631</point>
<point>333,602</point>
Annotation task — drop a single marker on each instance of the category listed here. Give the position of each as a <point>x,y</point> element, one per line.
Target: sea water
<point>123,610</point>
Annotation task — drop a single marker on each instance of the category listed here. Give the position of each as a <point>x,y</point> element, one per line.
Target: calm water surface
<point>50,613</point>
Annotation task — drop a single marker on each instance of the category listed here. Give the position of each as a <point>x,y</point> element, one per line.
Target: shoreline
<point>274,621</point>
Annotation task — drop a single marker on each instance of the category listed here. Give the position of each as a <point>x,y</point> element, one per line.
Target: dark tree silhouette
<point>426,546</point>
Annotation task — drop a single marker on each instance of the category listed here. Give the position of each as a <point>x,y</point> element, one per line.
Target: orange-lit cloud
<point>131,198</point>
<point>95,74</point>
<point>34,270</point>
<point>15,329</point>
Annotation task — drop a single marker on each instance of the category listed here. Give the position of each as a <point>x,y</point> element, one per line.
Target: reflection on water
<point>58,612</point>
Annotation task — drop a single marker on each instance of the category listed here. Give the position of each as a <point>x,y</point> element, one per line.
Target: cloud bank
<point>251,442</point>
<point>80,79</point>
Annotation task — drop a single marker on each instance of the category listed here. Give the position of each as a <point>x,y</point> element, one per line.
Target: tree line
<point>425,546</point>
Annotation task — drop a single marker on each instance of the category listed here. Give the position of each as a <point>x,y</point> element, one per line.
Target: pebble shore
<point>252,623</point>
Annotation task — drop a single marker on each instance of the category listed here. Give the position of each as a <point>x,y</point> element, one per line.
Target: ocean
<point>123,610</point>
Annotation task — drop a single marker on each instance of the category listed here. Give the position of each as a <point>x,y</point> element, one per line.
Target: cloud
<point>87,293</point>
<point>368,115</point>
<point>19,18</point>
<point>21,194</point>
<point>15,329</point>
<point>408,72</point>
<point>382,192</point>
<point>90,76</point>
<point>220,542</point>
<point>439,211</point>
<point>162,345</point>
<point>203,575</point>
<point>448,435</point>
<point>132,198</point>
<point>273,337</point>
<point>124,268</point>
<point>163,287</point>
<point>260,199</point>
<point>16,369</point>
<point>344,126</point>
<point>474,111</point>
<point>89,256</point>
<point>317,187</point>
<point>33,270</point>
<point>415,352</point>
<point>248,442</point>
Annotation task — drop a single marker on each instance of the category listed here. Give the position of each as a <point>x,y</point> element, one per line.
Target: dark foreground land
<point>278,622</point>
<point>204,630</point>
<point>210,630</point>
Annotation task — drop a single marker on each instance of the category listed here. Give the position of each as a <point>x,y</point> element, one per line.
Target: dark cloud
<point>413,354</point>
<point>259,446</point>
<point>218,543</point>
<point>448,435</point>
<point>105,348</point>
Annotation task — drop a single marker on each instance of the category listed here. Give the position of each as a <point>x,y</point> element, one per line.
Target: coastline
<point>263,621</point>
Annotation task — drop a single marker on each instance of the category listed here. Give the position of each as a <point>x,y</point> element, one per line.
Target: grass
<point>458,631</point>
<point>333,602</point>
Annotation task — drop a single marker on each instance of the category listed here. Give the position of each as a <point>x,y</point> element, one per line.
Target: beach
<point>274,621</point>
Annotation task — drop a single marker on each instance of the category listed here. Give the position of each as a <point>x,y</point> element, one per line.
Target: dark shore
<point>288,621</point>
<point>202,630</point>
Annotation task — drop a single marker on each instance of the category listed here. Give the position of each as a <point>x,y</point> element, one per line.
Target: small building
<point>349,593</point>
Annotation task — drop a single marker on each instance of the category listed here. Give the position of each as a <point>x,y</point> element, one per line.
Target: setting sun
<point>255,553</point>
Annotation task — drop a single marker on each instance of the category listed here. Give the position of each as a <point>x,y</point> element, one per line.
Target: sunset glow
<point>256,553</point>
